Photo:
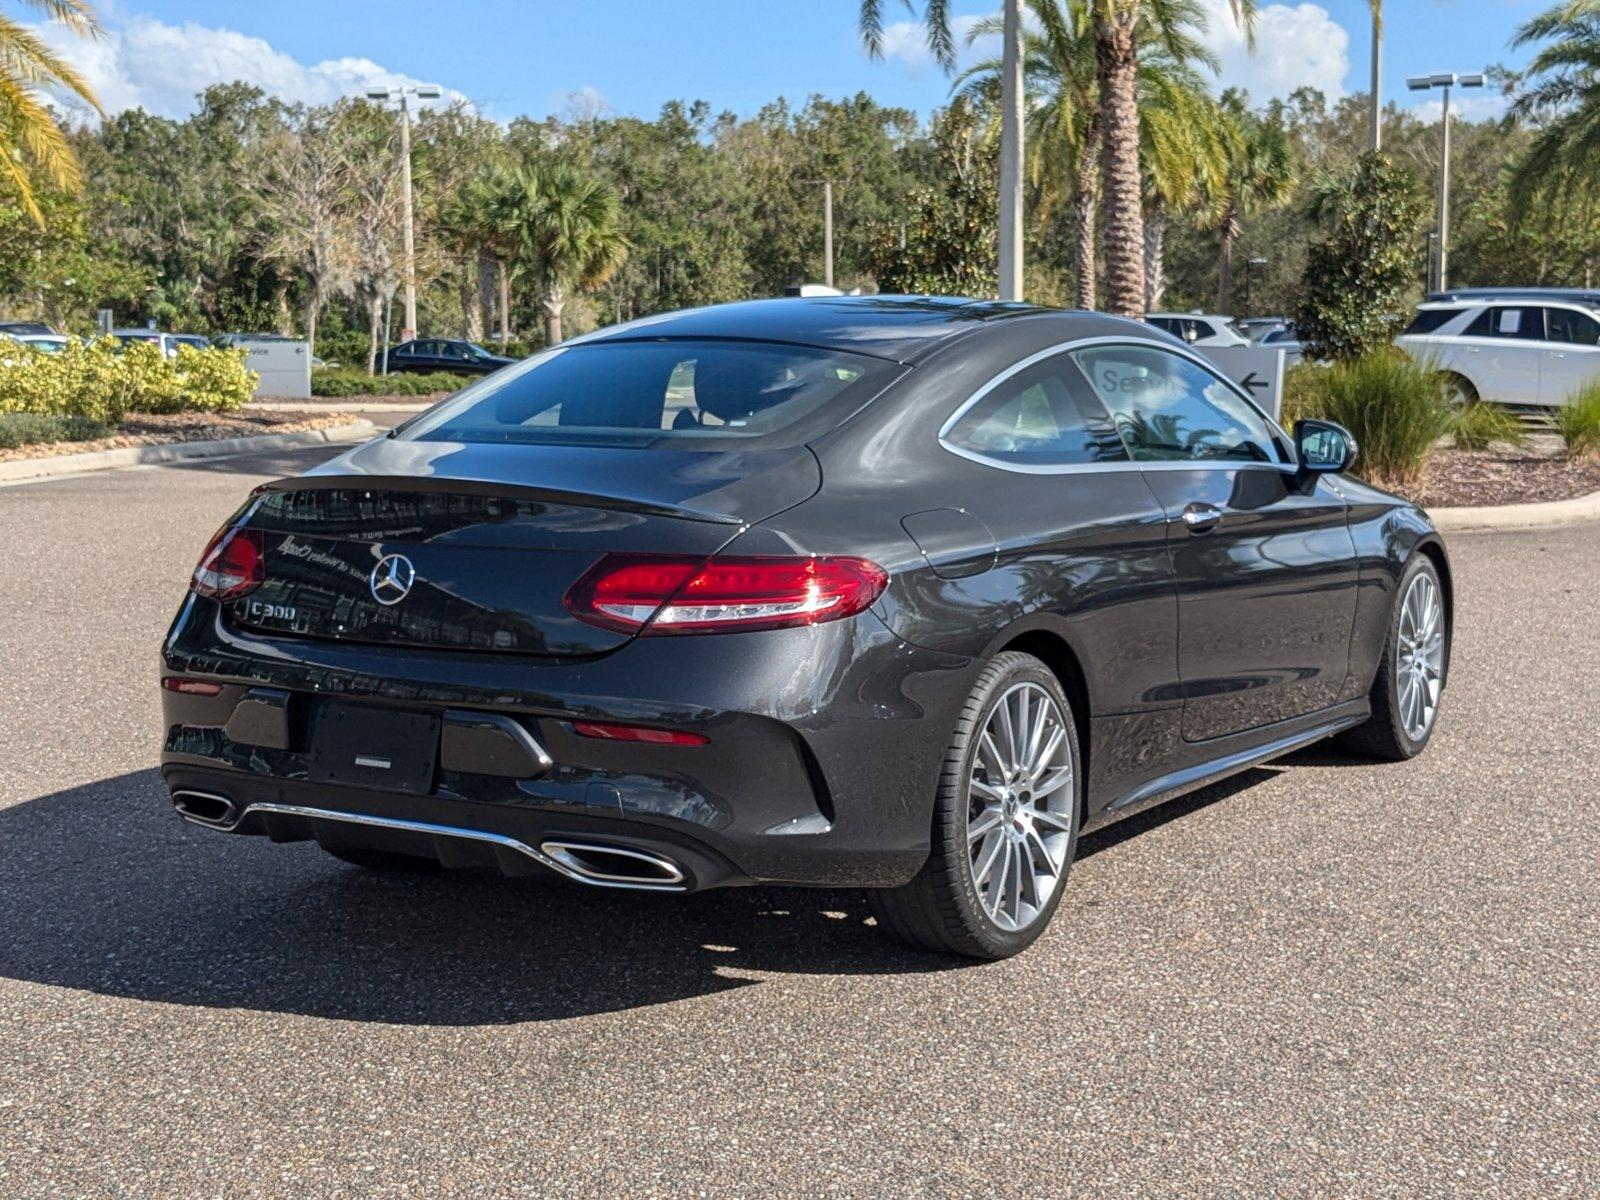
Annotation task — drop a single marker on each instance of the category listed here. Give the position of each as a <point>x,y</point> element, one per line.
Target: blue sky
<point>514,57</point>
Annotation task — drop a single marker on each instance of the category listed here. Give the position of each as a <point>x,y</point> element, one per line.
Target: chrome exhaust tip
<point>205,808</point>
<point>614,866</point>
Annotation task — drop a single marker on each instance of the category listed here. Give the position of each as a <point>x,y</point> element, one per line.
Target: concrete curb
<point>1543,515</point>
<point>139,456</point>
<point>300,406</point>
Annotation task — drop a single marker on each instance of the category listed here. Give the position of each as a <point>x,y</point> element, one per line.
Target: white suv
<point>1526,347</point>
<point>1200,329</point>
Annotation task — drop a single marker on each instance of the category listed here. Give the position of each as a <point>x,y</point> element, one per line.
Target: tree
<point>1259,174</point>
<point>31,143</point>
<point>1563,163</point>
<point>1357,278</point>
<point>303,182</point>
<point>1118,25</point>
<point>566,234</point>
<point>1183,153</point>
<point>944,247</point>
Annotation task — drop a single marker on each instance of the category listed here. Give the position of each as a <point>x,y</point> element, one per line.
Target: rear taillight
<point>233,565</point>
<point>639,733</point>
<point>647,594</point>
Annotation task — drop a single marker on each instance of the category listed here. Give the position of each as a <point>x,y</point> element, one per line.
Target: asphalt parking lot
<point>1321,978</point>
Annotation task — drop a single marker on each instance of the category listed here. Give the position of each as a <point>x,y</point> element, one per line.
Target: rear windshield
<point>1429,319</point>
<point>666,393</point>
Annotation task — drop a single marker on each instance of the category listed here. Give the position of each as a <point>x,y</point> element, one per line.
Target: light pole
<point>1011,151</point>
<point>384,93</point>
<point>827,228</point>
<point>1423,83</point>
<point>1249,263</point>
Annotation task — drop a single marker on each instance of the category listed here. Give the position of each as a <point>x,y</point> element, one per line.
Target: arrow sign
<point>1251,384</point>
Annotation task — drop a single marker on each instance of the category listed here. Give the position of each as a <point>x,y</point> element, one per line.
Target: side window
<point>1168,408</point>
<point>1521,324</point>
<point>1034,419</point>
<point>1572,328</point>
<point>1429,319</point>
<point>405,350</point>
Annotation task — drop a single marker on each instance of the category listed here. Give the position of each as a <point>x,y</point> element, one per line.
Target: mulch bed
<point>1461,478</point>
<point>329,401</point>
<point>152,429</point>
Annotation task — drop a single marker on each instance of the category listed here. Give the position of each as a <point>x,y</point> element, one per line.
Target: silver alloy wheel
<point>1419,660</point>
<point>1020,806</point>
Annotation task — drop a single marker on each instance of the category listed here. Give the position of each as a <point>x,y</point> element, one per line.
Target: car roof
<point>899,328</point>
<point>1585,296</point>
<point>1203,316</point>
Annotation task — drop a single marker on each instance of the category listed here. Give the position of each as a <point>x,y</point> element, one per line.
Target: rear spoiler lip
<point>480,487</point>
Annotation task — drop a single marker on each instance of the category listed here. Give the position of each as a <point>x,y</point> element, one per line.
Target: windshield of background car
<point>655,394</point>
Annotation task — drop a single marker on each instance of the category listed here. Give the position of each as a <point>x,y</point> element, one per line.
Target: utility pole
<point>1376,132</point>
<point>384,94</point>
<point>827,232</point>
<point>1011,153</point>
<point>1446,81</point>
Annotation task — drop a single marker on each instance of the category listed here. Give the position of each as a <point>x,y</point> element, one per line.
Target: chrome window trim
<point>1128,464</point>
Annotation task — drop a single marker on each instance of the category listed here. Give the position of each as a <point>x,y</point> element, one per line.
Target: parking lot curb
<point>280,406</point>
<point>139,456</point>
<point>1542,515</point>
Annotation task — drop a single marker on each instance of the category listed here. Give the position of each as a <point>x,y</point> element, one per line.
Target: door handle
<point>1201,518</point>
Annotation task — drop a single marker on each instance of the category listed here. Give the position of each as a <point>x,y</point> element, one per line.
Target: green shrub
<point>98,383</point>
<point>1478,426</point>
<point>340,382</point>
<point>1578,422</point>
<point>29,428</point>
<point>1395,408</point>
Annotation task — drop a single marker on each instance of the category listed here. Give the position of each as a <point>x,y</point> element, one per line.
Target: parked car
<point>1200,329</point>
<point>1256,328</point>
<point>1284,338</point>
<point>168,342</point>
<point>27,329</point>
<point>47,343</point>
<point>879,592</point>
<point>1514,346</point>
<point>445,354</point>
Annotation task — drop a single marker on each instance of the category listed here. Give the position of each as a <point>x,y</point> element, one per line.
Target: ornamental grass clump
<point>1578,422</point>
<point>1480,425</point>
<point>1396,408</point>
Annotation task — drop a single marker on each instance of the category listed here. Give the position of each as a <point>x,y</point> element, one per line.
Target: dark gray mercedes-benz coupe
<point>894,593</point>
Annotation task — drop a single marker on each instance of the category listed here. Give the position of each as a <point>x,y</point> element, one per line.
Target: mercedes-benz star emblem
<point>392,578</point>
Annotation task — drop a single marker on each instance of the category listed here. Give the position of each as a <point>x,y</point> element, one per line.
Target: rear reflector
<point>233,565</point>
<point>637,733</point>
<point>190,687</point>
<point>647,594</point>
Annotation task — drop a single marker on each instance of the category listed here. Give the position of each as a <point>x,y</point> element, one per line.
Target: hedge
<point>340,382</point>
<point>97,383</point>
<point>27,429</point>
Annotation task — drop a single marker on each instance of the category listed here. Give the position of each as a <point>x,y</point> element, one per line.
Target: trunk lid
<point>474,547</point>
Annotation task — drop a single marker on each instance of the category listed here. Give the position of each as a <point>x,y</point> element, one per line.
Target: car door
<point>1264,564</point>
<point>1501,351</point>
<point>1571,354</point>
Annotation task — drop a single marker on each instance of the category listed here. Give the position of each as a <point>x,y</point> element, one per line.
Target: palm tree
<point>1119,32</point>
<point>566,229</point>
<point>1177,118</point>
<point>1563,162</point>
<point>1260,175</point>
<point>1183,153</point>
<point>29,135</point>
<point>1375,133</point>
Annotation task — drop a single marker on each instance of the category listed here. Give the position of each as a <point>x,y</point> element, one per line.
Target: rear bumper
<point>823,754</point>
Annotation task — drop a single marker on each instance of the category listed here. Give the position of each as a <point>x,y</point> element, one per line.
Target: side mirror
<point>1323,447</point>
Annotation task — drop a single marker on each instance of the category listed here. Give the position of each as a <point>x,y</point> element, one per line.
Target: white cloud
<point>146,63</point>
<point>906,42</point>
<point>1300,46</point>
<point>1475,105</point>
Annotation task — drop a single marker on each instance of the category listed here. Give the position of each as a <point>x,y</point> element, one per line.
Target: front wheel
<point>1410,681</point>
<point>1005,820</point>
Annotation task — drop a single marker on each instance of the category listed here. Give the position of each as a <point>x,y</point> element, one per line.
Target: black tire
<point>1465,394</point>
<point>940,909</point>
<point>1383,735</point>
<point>385,860</point>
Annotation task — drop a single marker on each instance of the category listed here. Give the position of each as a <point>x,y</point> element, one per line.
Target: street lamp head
<point>378,91</point>
<point>1443,79</point>
<point>428,91</point>
<point>1419,83</point>
<point>1257,262</point>
<point>1472,81</point>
